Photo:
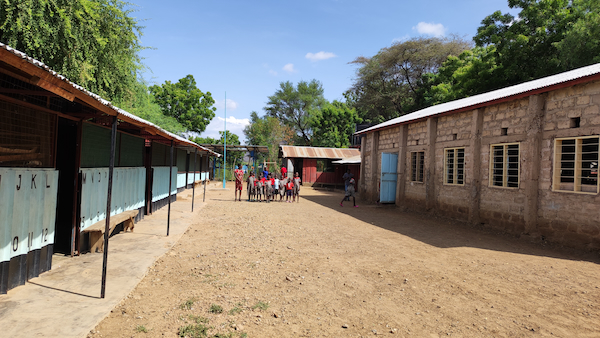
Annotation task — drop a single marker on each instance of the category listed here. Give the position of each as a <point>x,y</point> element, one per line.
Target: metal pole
<point>225,144</point>
<point>194,180</point>
<point>111,167</point>
<point>204,197</point>
<point>170,183</point>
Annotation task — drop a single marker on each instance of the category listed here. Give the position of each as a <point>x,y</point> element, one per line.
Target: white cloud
<point>272,72</point>
<point>435,29</point>
<point>289,68</point>
<point>234,125</point>
<point>231,105</point>
<point>402,39</point>
<point>320,56</point>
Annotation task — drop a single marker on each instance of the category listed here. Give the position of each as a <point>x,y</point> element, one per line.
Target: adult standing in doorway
<point>283,172</point>
<point>239,178</point>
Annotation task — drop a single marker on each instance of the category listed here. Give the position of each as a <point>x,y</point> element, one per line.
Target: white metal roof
<point>349,160</point>
<point>489,97</point>
<point>101,100</point>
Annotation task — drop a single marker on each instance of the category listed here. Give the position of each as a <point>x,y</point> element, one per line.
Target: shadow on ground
<point>445,233</point>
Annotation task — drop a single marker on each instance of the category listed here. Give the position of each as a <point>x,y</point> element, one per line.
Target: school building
<point>523,159</point>
<point>317,166</point>
<point>55,150</point>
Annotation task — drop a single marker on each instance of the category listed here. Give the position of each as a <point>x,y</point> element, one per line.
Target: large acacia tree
<point>94,43</point>
<point>390,84</point>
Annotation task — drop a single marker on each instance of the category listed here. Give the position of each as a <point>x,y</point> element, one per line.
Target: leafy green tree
<point>548,37</point>
<point>472,72</point>
<point>186,103</point>
<point>390,84</point>
<point>233,157</point>
<point>294,105</point>
<point>141,103</point>
<point>94,43</point>
<point>334,125</point>
<point>268,131</point>
<point>581,43</point>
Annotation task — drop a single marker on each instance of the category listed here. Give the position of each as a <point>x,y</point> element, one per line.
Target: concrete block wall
<point>534,209</point>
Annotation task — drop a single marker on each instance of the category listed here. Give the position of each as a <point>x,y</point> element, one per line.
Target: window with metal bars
<point>504,165</point>
<point>417,162</point>
<point>454,166</point>
<point>576,164</point>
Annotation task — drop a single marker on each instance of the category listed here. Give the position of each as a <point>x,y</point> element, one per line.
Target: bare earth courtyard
<point>315,269</point>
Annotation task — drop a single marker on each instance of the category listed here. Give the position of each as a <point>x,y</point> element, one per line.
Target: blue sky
<point>246,48</point>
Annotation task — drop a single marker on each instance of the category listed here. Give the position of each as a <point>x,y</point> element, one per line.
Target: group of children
<point>270,187</point>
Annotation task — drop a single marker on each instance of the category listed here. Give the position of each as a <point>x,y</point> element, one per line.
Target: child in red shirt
<point>289,188</point>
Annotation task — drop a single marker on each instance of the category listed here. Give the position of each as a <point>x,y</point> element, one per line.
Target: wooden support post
<point>374,189</point>
<point>111,167</point>
<point>194,179</point>
<point>170,184</point>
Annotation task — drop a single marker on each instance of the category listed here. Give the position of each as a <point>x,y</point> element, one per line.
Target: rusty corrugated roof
<point>317,152</point>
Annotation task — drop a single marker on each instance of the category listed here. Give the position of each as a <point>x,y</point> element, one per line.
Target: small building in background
<point>316,166</point>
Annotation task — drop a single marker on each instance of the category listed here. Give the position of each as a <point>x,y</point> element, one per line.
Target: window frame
<point>505,167</point>
<point>578,170</point>
<point>456,164</point>
<point>417,166</point>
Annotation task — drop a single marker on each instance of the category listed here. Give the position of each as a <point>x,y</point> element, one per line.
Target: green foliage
<point>141,328</point>
<point>548,37</point>
<point>294,105</point>
<point>261,306</point>
<point>333,125</point>
<point>186,103</point>
<point>214,308</point>
<point>193,331</point>
<point>187,304</point>
<point>581,43</point>
<point>198,319</point>
<point>268,131</point>
<point>473,72</point>
<point>141,103</point>
<point>390,84</point>
<point>233,157</point>
<point>94,43</point>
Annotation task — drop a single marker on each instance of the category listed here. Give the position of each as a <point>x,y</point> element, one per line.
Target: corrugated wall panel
<point>128,192</point>
<point>27,220</point>
<point>180,180</point>
<point>160,183</point>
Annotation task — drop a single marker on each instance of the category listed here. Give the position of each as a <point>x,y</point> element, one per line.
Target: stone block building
<point>523,159</point>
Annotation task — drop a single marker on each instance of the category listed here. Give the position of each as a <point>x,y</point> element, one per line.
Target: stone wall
<point>532,209</point>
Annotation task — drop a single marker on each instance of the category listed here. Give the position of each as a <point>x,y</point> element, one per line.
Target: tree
<point>141,103</point>
<point>473,72</point>
<point>334,125</point>
<point>390,84</point>
<point>548,37</point>
<point>294,105</point>
<point>94,43</point>
<point>186,103</point>
<point>268,131</point>
<point>233,157</point>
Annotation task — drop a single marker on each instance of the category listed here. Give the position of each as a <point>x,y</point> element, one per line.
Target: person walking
<point>350,191</point>
<point>347,176</point>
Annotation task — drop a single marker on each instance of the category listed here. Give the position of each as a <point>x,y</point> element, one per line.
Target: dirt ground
<point>315,269</point>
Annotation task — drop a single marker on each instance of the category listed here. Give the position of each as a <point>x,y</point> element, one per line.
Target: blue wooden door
<point>389,176</point>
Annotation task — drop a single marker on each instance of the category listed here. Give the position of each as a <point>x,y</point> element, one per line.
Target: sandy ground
<point>315,269</point>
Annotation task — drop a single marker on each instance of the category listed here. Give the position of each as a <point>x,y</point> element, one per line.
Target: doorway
<point>66,232</point>
<point>389,177</point>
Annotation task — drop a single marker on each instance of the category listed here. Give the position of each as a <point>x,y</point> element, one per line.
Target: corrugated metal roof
<point>349,160</point>
<point>531,87</point>
<point>128,116</point>
<point>317,152</point>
